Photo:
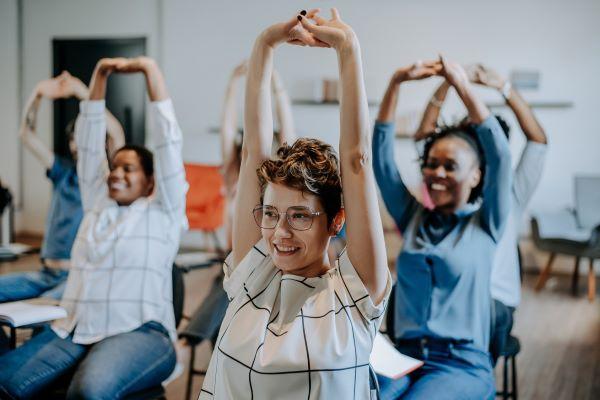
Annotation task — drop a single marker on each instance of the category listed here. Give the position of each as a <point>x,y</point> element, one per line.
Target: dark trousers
<point>503,323</point>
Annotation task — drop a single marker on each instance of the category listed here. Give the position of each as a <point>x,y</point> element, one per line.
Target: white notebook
<point>388,361</point>
<point>19,313</point>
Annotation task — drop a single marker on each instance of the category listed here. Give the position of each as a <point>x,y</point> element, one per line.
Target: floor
<point>559,334</point>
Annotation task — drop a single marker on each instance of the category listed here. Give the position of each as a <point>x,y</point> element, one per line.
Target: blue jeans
<point>47,282</point>
<point>110,369</point>
<point>456,371</point>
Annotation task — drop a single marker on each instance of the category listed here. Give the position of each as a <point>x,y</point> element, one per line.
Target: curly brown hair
<point>309,165</point>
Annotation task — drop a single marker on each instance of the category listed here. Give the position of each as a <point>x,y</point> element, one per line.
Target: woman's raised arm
<point>258,135</point>
<point>366,247</point>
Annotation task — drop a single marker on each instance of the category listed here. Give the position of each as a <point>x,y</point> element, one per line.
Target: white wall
<point>9,105</point>
<point>560,39</point>
<point>200,42</point>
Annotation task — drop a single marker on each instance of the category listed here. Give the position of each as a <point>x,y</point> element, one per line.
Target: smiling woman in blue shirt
<point>442,296</point>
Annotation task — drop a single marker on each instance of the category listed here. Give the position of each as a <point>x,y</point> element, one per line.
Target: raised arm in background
<point>398,200</point>
<point>229,126</point>
<point>90,136</point>
<point>63,86</point>
<point>429,121</point>
<point>283,110</point>
<point>169,173</point>
<point>47,88</point>
<point>365,244</point>
<point>527,120</point>
<point>498,175</point>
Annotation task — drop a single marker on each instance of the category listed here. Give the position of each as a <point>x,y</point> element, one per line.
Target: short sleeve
<point>358,292</point>
<point>236,277</point>
<point>59,168</point>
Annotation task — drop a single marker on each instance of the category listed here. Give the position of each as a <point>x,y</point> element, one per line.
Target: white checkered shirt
<point>291,337</point>
<point>123,255</point>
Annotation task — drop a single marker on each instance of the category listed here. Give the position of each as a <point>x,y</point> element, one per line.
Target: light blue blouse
<point>444,267</point>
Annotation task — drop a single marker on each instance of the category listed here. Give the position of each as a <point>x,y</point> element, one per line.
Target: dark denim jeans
<point>458,371</point>
<point>109,369</point>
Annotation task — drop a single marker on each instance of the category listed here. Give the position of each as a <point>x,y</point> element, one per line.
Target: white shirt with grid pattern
<point>286,336</point>
<point>123,255</point>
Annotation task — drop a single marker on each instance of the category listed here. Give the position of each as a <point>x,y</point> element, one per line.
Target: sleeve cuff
<point>164,108</point>
<point>92,107</point>
<point>536,147</point>
<point>490,123</point>
<point>385,126</point>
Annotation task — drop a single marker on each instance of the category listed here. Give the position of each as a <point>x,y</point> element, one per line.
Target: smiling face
<point>450,173</point>
<point>127,180</point>
<point>302,253</point>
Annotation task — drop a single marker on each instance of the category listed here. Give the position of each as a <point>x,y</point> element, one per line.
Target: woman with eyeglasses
<point>300,325</point>
<point>442,295</point>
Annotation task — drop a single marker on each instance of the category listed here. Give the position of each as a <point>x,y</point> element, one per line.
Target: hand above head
<point>104,67</point>
<point>49,88</point>
<point>289,31</point>
<point>72,86</point>
<point>417,71</point>
<point>454,73</point>
<point>328,33</point>
<point>134,65</point>
<point>240,70</point>
<point>482,75</point>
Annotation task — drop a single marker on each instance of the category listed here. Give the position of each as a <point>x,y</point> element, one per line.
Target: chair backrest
<point>390,315</point>
<point>587,201</point>
<point>178,293</point>
<point>205,200</point>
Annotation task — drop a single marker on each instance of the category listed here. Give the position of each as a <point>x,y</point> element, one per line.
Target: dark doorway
<point>125,94</point>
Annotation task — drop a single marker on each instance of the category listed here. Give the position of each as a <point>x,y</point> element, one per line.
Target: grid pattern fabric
<point>123,255</point>
<point>287,336</point>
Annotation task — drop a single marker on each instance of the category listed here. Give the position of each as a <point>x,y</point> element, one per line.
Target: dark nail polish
<point>303,12</point>
<point>299,17</point>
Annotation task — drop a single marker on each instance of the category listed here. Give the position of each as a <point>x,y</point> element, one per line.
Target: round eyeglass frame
<point>260,207</point>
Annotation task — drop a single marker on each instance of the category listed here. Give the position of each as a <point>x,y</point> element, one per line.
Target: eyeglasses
<point>299,218</point>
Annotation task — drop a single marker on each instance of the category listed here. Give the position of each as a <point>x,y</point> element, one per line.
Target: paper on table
<point>19,313</point>
<point>388,361</point>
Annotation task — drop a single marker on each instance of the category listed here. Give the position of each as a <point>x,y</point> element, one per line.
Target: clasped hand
<point>310,29</point>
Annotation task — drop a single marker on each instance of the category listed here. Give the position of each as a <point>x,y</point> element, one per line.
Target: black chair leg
<point>575,278</point>
<point>514,377</point>
<point>13,338</point>
<point>188,389</point>
<point>505,379</point>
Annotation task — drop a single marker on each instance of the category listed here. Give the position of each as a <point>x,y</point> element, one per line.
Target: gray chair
<point>575,233</point>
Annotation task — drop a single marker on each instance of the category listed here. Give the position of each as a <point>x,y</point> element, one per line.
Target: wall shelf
<point>373,103</point>
<point>538,104</point>
<point>299,102</point>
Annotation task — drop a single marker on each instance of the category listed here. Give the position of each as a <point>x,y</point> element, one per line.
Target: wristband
<point>436,103</point>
